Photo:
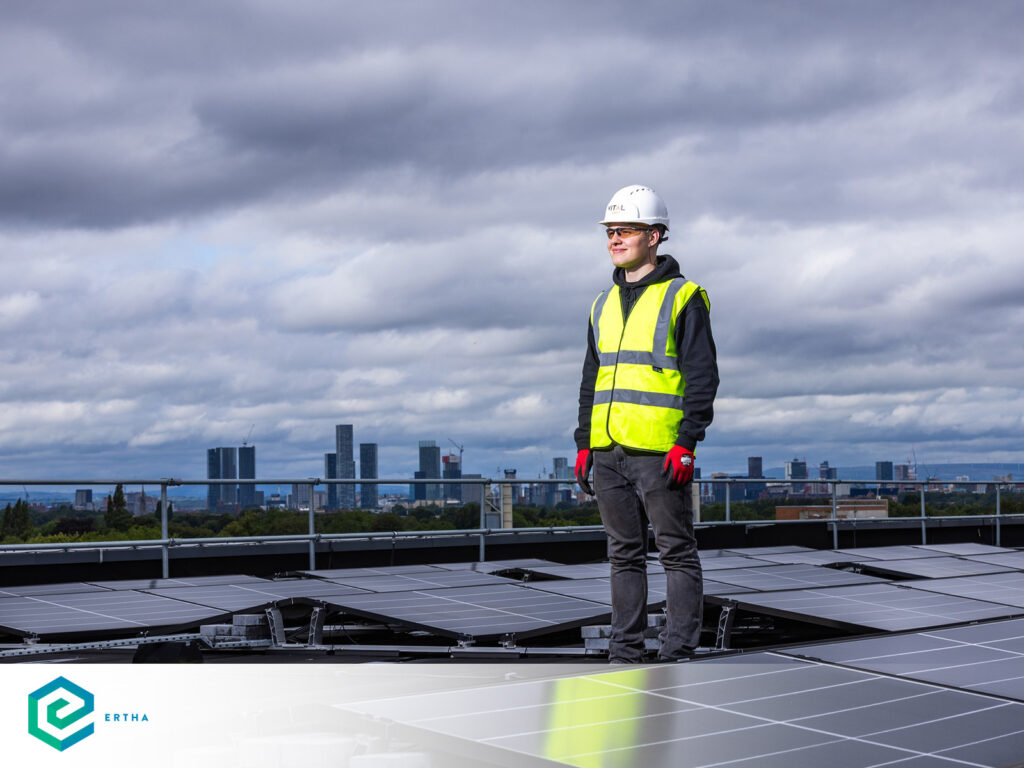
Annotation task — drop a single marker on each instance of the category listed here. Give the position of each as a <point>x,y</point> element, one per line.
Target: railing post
<point>835,517</point>
<point>924,535</point>
<point>483,523</point>
<point>312,529</point>
<point>728,504</point>
<point>998,511</point>
<point>163,531</point>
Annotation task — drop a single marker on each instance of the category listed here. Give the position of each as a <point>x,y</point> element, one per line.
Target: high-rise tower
<point>368,471</point>
<point>346,465</point>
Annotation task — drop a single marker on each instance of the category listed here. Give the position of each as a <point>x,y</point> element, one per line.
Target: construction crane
<point>460,447</point>
<point>246,441</point>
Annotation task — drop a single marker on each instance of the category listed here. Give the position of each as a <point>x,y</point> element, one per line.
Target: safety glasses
<point>626,231</point>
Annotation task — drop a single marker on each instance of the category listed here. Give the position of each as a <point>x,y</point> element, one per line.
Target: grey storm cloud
<point>220,215</point>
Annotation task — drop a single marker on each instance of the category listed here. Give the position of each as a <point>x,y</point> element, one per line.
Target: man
<point>649,382</point>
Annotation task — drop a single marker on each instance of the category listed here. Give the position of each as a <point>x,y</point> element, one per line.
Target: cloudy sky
<point>217,217</point>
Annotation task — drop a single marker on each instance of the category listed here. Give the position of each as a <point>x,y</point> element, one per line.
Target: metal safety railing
<point>166,543</point>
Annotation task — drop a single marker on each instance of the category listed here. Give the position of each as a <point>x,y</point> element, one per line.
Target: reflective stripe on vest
<point>638,395</point>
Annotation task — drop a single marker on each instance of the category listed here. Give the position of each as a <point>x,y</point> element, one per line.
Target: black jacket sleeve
<point>698,361</point>
<point>587,383</point>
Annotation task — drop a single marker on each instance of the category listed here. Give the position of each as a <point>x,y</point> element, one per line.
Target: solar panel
<point>384,570</point>
<point>242,597</point>
<point>1013,560</point>
<point>191,581</point>
<point>759,710</point>
<point>965,548</point>
<point>493,566</point>
<point>725,562</point>
<point>894,552</point>
<point>988,658</point>
<point>436,580</point>
<point>756,551</point>
<point>871,606</point>
<point>478,612</point>
<point>84,612</point>
<point>797,576</point>
<point>50,589</point>
<point>584,570</point>
<point>1002,588</point>
<point>932,567</point>
<point>600,591</point>
<point>813,557</point>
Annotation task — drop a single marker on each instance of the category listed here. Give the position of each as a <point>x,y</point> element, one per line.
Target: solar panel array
<point>798,576</point>
<point>477,612</point>
<point>91,612</point>
<point>759,710</point>
<point>932,567</point>
<point>437,579</point>
<point>885,607</point>
<point>988,658</point>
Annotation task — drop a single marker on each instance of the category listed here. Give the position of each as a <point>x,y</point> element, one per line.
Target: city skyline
<point>252,225</point>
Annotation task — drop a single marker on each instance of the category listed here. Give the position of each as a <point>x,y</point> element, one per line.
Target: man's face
<point>631,251</point>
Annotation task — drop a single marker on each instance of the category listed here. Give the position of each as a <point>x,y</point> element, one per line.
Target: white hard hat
<point>636,204</point>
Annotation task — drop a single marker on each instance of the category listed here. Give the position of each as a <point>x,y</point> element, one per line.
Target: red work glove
<point>678,467</point>
<point>584,461</point>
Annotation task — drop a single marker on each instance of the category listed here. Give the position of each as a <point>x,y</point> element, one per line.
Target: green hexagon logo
<point>56,713</point>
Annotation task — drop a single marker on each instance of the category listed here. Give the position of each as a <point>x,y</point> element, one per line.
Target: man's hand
<point>584,461</point>
<point>678,467</point>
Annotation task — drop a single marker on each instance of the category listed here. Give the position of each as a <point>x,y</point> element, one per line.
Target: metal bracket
<point>316,626</point>
<point>725,621</point>
<point>276,624</point>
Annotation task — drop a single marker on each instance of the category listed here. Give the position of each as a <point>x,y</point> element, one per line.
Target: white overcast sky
<point>295,215</point>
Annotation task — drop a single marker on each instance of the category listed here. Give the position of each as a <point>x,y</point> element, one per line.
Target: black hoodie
<point>694,345</point>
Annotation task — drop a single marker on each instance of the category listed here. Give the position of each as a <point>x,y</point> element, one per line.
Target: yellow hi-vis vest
<point>638,395</point>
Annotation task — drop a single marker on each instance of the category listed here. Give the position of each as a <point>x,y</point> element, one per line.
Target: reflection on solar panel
<point>384,570</point>
<point>932,567</point>
<point>436,580</point>
<point>756,551</point>
<point>50,589</point>
<point>982,657</point>
<point>105,611</point>
<point>191,581</point>
<point>814,557</point>
<point>875,606</point>
<point>1013,560</point>
<point>965,549</point>
<point>493,566</point>
<point>895,552</point>
<point>759,710</point>
<point>799,576</point>
<point>242,597</point>
<point>478,612</point>
<point>1002,588</point>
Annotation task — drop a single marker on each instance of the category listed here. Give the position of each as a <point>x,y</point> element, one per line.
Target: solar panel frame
<point>583,570</point>
<point>725,562</point>
<point>891,552</point>
<point>384,570</point>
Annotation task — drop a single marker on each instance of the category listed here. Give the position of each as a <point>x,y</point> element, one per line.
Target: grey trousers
<point>630,491</point>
